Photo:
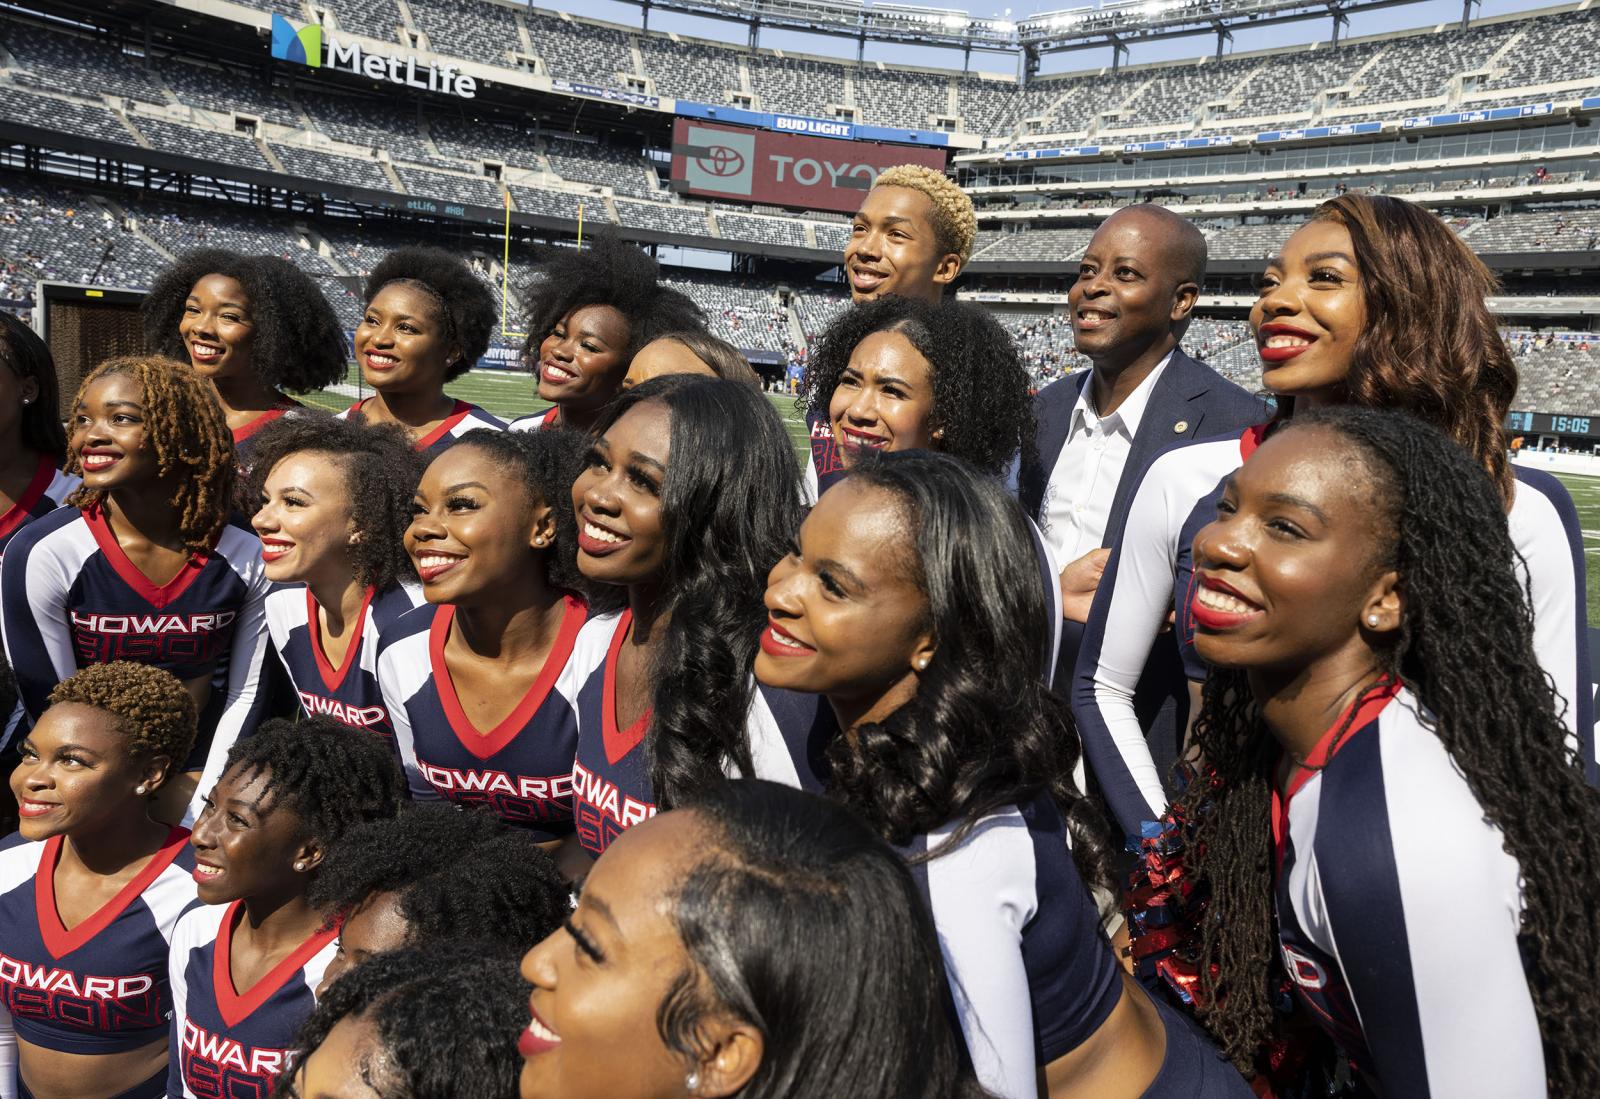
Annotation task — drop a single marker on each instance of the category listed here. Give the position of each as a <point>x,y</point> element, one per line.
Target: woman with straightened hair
<point>906,604</point>
<point>665,512</point>
<point>761,943</point>
<point>1374,302</point>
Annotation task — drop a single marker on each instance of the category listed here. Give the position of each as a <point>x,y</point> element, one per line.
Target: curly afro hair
<point>329,775</point>
<point>299,343</point>
<point>383,856</point>
<point>505,890</point>
<point>381,468</point>
<point>608,272</point>
<point>547,463</point>
<point>465,302</point>
<point>446,1018</point>
<point>982,408</point>
<point>186,430</point>
<point>151,706</point>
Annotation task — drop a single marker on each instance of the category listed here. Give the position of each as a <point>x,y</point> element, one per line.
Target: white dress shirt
<point>1077,500</point>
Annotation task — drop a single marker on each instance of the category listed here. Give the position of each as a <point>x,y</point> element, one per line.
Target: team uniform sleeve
<point>1124,625</point>
<point>394,701</point>
<point>244,704</point>
<point>33,614</point>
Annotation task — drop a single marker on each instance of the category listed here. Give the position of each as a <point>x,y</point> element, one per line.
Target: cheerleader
<point>244,962</point>
<point>1391,808</point>
<point>593,309</point>
<point>1374,302</point>
<point>427,320</point>
<point>33,445</point>
<point>478,682</point>
<point>252,326</point>
<point>91,887</point>
<point>907,605</point>
<point>143,565</point>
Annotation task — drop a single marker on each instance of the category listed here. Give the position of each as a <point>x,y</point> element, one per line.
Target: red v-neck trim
<point>235,1008</point>
<point>57,939</point>
<point>157,596</point>
<point>551,418</point>
<point>18,512</point>
<point>1253,437</point>
<point>240,434</point>
<point>333,678</point>
<point>481,744</point>
<point>618,742</point>
<point>457,414</point>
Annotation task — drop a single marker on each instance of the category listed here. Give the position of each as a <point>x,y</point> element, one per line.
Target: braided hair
<point>151,706</point>
<point>381,468</point>
<point>1466,651</point>
<point>187,432</point>
<point>329,775</point>
<point>466,305</point>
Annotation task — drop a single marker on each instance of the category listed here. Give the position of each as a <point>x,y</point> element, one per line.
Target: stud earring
<point>691,1082</point>
<point>139,789</point>
<point>1372,620</point>
<point>539,541</point>
<point>300,866</point>
<point>27,400</point>
<point>922,663</point>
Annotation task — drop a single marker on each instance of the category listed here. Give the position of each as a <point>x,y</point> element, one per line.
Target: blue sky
<point>1422,14</point>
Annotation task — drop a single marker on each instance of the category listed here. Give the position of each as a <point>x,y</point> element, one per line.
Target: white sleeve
<point>243,705</point>
<point>34,583</point>
<point>8,1057</point>
<point>394,701</point>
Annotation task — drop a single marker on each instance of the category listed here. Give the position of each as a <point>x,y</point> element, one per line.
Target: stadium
<point>330,132</point>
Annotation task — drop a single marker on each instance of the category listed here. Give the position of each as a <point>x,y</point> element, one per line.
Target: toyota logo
<point>721,161</point>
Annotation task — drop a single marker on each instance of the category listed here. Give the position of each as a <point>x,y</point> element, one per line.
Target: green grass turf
<point>1586,496</point>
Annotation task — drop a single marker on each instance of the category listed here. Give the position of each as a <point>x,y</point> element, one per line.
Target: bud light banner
<point>817,173</point>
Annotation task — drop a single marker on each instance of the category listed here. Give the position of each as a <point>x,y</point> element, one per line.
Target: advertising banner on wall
<point>817,173</point>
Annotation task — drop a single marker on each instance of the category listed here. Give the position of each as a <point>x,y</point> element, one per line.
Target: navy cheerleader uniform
<point>538,421</point>
<point>463,418</point>
<point>1031,974</point>
<point>70,597</point>
<point>1404,950</point>
<point>227,1043</point>
<point>611,789</point>
<point>47,491</point>
<point>522,768</point>
<point>101,987</point>
<point>825,468</point>
<point>1151,572</point>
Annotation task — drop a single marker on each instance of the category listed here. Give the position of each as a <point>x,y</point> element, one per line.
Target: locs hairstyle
<point>983,731</point>
<point>26,354</point>
<point>380,466</point>
<point>980,387</point>
<point>728,515</point>
<point>447,1020</point>
<point>466,305</point>
<point>607,272</point>
<point>299,343</point>
<point>801,922</point>
<point>1430,345</point>
<point>188,434</point>
<point>1466,651</point>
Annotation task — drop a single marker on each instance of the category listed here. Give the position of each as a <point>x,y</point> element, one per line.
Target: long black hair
<point>447,1020</point>
<point>982,731</point>
<point>801,922</point>
<point>728,513</point>
<point>1465,649</point>
<point>299,343</point>
<point>27,355</point>
<point>981,401</point>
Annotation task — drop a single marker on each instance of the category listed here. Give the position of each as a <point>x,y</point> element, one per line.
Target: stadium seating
<point>469,28</point>
<point>208,145</point>
<point>796,86</point>
<point>579,51</point>
<point>762,230</point>
<point>313,164</point>
<point>622,170</point>
<point>689,70</point>
<point>378,19</point>
<point>816,309</point>
<point>67,116</point>
<point>688,220</point>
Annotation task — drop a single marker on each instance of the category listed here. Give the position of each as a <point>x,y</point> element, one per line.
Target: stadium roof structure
<point>908,23</point>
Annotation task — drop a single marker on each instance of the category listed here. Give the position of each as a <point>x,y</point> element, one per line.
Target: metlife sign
<point>312,46</point>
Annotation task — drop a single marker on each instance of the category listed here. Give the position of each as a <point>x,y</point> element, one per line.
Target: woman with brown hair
<point>1374,302</point>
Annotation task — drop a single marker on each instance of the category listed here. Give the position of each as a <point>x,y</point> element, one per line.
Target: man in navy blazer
<point>1136,290</point>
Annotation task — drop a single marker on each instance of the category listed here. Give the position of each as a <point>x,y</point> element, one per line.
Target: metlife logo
<point>311,46</point>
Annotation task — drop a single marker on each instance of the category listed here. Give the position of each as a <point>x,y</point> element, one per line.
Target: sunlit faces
<point>884,399</point>
<point>1296,560</point>
<point>1310,313</point>
<point>659,357</point>
<point>216,327</point>
<point>345,1065</point>
<point>583,359</point>
<point>617,498</point>
<point>473,527</point>
<point>247,842</point>
<point>75,772</point>
<point>893,248</point>
<point>598,984</point>
<point>847,619</point>
<point>403,342</point>
<point>374,928</point>
<point>1123,295</point>
<point>304,518</point>
<point>108,438</point>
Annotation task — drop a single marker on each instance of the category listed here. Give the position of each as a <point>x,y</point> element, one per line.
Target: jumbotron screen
<point>816,173</point>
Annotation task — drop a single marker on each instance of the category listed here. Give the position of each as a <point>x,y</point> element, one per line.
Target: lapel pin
<point>1180,427</point>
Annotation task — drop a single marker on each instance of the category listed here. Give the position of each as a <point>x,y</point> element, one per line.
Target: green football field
<point>1586,496</point>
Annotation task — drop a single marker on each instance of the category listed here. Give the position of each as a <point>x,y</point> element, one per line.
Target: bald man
<point>1136,289</point>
